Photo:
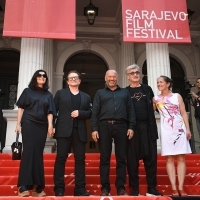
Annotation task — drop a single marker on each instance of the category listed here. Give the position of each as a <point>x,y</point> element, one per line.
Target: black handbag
<point>16,148</point>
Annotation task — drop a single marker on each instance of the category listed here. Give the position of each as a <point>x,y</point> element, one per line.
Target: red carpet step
<point>86,198</point>
<point>9,175</point>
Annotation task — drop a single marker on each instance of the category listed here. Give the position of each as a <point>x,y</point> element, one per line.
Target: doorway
<point>177,75</point>
<point>92,69</point>
<point>9,62</point>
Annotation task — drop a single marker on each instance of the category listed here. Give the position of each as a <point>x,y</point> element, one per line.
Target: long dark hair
<point>33,83</point>
<point>167,80</point>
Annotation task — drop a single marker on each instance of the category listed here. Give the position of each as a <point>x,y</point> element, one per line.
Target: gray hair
<point>133,66</point>
<point>112,70</point>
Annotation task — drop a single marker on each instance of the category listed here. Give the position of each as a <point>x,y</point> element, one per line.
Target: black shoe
<point>153,192</point>
<point>82,193</point>
<point>104,192</point>
<point>121,191</point>
<point>59,193</point>
<point>135,192</point>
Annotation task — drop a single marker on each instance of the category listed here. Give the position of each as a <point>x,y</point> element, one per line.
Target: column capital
<point>196,41</point>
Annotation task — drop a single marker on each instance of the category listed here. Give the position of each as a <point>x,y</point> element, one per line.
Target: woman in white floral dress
<point>175,132</point>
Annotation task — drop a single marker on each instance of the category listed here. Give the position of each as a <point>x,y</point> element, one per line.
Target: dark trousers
<point>63,149</point>
<point>108,132</point>
<point>141,146</point>
<point>31,171</point>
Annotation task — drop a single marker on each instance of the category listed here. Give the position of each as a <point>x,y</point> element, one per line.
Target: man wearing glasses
<point>143,145</point>
<point>73,107</point>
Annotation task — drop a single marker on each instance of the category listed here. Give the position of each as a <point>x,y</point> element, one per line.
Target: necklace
<point>163,97</point>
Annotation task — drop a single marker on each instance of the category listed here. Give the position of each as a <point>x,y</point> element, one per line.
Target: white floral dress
<point>173,131</point>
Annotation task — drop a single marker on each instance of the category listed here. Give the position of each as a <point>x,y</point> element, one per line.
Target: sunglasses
<point>40,75</point>
<point>73,78</point>
<point>134,73</point>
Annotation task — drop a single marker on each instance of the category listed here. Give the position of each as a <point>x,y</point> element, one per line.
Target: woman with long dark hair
<point>34,120</point>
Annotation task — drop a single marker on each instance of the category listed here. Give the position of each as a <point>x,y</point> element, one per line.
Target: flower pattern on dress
<point>169,111</point>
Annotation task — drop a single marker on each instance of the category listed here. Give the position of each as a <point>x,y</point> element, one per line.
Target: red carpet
<point>87,198</point>
<point>9,172</point>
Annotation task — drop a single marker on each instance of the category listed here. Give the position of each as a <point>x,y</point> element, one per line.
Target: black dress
<point>37,104</point>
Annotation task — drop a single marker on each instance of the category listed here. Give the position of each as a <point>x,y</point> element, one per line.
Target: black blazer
<point>64,121</point>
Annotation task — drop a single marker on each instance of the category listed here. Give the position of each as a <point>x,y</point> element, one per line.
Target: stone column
<point>157,63</point>
<point>50,145</point>
<point>127,58</point>
<point>48,60</point>
<point>31,59</point>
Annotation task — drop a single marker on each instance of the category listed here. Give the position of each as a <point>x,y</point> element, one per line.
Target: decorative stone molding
<point>78,48</point>
<point>60,46</point>
<point>187,51</point>
<point>86,45</point>
<point>112,48</point>
<point>138,49</point>
<point>7,42</point>
<point>196,41</point>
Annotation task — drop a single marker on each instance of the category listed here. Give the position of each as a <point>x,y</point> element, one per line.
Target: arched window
<point>92,69</point>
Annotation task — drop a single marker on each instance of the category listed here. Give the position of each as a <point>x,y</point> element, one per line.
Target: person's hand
<point>193,94</point>
<point>130,133</point>
<point>95,135</point>
<point>18,128</point>
<point>50,131</point>
<point>75,113</point>
<point>189,135</point>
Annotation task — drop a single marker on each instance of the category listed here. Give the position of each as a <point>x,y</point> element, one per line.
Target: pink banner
<point>40,19</point>
<point>155,21</point>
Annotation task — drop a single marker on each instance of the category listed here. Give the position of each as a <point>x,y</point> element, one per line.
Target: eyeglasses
<point>40,75</point>
<point>134,73</point>
<point>73,78</point>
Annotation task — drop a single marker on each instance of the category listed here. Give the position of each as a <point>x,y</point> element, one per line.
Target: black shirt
<point>140,103</point>
<point>112,104</point>
<point>37,104</point>
<point>76,102</point>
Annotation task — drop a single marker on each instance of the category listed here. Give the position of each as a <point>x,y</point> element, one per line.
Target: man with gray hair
<point>113,118</point>
<point>143,145</point>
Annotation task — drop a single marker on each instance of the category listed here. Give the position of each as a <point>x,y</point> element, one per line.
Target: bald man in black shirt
<point>113,118</point>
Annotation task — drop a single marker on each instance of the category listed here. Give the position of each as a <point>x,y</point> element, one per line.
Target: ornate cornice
<point>7,42</point>
<point>86,45</point>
